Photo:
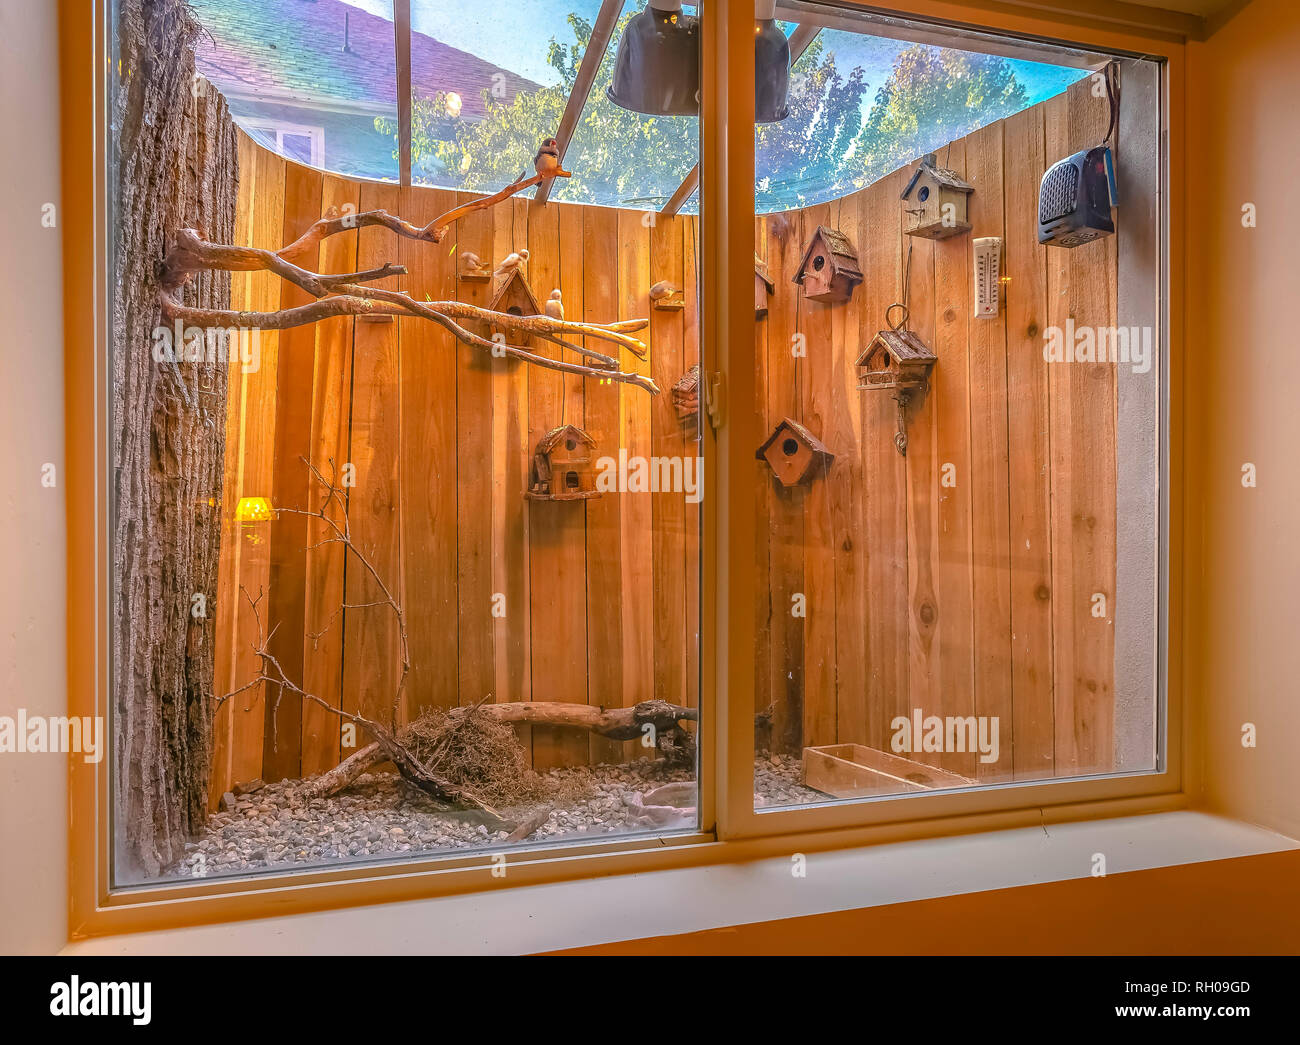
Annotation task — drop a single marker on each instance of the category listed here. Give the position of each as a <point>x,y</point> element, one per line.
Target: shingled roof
<point>945,177</point>
<point>292,51</point>
<point>903,345</point>
<point>843,257</point>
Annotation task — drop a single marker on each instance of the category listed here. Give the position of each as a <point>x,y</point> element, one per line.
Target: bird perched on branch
<point>554,305</point>
<point>547,160</point>
<point>511,262</point>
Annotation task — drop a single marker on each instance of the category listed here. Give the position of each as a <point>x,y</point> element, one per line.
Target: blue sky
<point>515,36</point>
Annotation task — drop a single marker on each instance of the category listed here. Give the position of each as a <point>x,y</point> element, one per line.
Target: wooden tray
<point>854,771</point>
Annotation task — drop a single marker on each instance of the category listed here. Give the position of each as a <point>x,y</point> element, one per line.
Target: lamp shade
<point>657,68</point>
<point>771,73</point>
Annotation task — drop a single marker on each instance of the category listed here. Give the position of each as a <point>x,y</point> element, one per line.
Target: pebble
<point>380,815</point>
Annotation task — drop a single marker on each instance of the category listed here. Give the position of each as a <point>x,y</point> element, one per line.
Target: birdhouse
<point>514,297</point>
<point>686,396</point>
<point>795,454</point>
<point>895,359</point>
<point>763,286</point>
<point>564,467</point>
<point>935,201</point>
<point>829,270</point>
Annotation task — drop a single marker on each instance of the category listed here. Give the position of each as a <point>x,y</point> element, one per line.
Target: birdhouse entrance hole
<point>790,448</point>
<point>571,479</point>
<point>571,444</point>
<point>515,310</point>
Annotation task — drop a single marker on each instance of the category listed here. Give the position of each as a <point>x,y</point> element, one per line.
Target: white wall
<point>33,792</point>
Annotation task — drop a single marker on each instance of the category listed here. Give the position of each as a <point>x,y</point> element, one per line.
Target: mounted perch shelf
<point>795,454</point>
<point>935,201</point>
<point>563,466</point>
<point>829,270</point>
<point>854,771</point>
<point>686,397</point>
<point>764,286</point>
<point>896,359</point>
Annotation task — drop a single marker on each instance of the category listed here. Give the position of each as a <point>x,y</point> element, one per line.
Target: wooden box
<point>855,771</point>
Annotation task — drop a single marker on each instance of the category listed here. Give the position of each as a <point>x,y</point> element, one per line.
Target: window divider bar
<point>402,53</point>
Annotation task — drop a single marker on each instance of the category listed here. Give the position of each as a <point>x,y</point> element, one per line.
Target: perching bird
<point>472,262</point>
<point>511,262</point>
<point>547,160</point>
<point>663,289</point>
<point>554,306</point>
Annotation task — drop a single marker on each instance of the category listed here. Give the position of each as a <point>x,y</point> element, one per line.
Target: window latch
<point>714,402</point>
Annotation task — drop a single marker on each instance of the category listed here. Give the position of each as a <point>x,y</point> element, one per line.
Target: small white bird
<point>511,262</point>
<point>472,264</point>
<point>554,306</point>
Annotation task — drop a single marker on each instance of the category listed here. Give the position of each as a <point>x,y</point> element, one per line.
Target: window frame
<point>731,829</point>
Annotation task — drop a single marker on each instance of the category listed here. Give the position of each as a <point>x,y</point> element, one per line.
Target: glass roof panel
<point>316,81</point>
<point>306,79</point>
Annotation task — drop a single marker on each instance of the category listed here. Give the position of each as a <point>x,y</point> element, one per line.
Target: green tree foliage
<point>932,96</point>
<point>824,148</point>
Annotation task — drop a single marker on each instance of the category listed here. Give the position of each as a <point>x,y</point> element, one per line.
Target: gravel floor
<point>380,816</point>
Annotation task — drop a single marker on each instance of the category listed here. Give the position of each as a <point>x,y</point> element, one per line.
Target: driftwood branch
<point>614,723</point>
<point>346,295</point>
<point>333,223</point>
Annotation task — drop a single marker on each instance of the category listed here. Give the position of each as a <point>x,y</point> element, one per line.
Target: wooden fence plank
<point>331,396</point>
<point>1029,472</point>
<point>990,465</point>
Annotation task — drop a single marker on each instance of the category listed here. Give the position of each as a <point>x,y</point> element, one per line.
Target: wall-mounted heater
<point>1075,197</point>
<point>1076,194</point>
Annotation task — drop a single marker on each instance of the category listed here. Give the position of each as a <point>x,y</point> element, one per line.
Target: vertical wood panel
<point>481,659</point>
<point>331,392</point>
<point>816,380</point>
<point>1029,483</point>
<point>668,536</point>
<point>636,516</point>
<point>990,464</point>
<point>557,537</point>
<point>371,653</point>
<point>257,466</point>
<point>511,454</point>
<point>428,486</point>
<point>291,487</point>
<point>604,528</point>
<point>884,530</point>
<point>785,517</point>
<point>962,474</point>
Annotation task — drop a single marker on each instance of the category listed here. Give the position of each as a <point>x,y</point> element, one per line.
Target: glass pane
<point>959,483</point>
<point>325,68</point>
<point>428,561</point>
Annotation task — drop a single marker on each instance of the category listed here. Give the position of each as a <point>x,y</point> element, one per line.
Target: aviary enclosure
<point>442,474</point>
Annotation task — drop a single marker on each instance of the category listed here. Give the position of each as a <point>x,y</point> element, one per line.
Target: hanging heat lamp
<point>771,66</point>
<point>657,68</point>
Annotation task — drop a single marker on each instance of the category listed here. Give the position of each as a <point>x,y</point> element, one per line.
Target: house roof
<point>844,259</point>
<point>293,50</point>
<point>515,277</point>
<point>817,446</point>
<point>903,345</point>
<point>763,272</point>
<point>548,441</point>
<point>947,178</point>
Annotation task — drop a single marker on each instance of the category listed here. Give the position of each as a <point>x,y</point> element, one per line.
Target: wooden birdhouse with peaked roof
<point>763,285</point>
<point>514,296</point>
<point>829,270</point>
<point>935,201</point>
<point>564,467</point>
<point>795,454</point>
<point>895,359</point>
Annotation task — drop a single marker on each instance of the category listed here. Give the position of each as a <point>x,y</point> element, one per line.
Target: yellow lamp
<point>254,510</point>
